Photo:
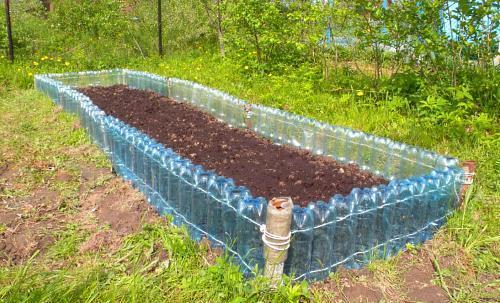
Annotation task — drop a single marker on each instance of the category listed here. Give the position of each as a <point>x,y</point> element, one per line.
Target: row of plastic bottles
<point>378,155</point>
<point>381,156</point>
<point>369,223</point>
<point>347,230</point>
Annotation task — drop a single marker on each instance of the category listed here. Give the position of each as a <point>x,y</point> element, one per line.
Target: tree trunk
<point>220,32</point>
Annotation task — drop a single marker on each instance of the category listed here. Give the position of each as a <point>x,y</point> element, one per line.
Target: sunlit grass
<point>41,140</point>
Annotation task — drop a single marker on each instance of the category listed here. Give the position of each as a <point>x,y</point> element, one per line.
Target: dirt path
<point>267,169</point>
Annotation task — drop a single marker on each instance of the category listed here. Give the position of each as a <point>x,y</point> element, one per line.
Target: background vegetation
<point>394,72</point>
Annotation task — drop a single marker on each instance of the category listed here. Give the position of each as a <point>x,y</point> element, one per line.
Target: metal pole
<point>160,39</point>
<point>9,30</point>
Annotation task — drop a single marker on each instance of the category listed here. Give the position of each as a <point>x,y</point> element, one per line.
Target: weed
<point>67,242</point>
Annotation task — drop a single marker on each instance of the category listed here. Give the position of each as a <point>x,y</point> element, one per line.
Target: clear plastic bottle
<point>165,178</point>
<point>366,214</point>
<point>216,203</point>
<point>235,196</point>
<point>248,235</point>
<point>146,166</point>
<point>324,229</point>
<point>156,151</point>
<point>389,229</point>
<point>203,181</point>
<point>352,145</point>
<point>380,236</point>
<point>340,144</point>
<point>402,213</point>
<point>180,170</point>
<point>299,254</point>
<point>343,238</point>
<point>419,209</point>
<point>185,175</point>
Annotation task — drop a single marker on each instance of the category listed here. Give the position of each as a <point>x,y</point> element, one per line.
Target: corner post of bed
<point>276,237</point>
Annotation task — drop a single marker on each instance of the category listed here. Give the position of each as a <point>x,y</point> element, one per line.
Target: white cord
<point>275,242</point>
<point>468,178</point>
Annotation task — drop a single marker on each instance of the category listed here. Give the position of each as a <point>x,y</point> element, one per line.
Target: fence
<point>346,230</point>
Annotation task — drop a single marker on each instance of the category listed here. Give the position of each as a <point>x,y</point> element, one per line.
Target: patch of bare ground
<point>418,274</point>
<point>117,207</point>
<point>108,209</point>
<point>350,286</point>
<point>410,277</point>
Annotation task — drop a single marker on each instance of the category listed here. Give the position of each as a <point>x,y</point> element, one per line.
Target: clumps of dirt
<point>106,239</point>
<point>120,209</point>
<point>351,286</point>
<point>108,209</point>
<point>27,224</point>
<point>414,280</point>
<point>267,169</point>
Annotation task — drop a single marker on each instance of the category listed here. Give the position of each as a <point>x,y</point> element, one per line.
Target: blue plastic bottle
<point>343,238</point>
<point>235,196</point>
<point>216,202</point>
<point>299,254</point>
<point>324,228</point>
<point>248,235</point>
<point>366,214</point>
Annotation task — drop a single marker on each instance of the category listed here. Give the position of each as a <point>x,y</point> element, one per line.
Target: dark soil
<point>267,169</point>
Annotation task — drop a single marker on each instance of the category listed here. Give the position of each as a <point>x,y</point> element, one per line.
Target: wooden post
<point>9,31</point>
<point>469,167</point>
<point>160,38</point>
<point>276,237</point>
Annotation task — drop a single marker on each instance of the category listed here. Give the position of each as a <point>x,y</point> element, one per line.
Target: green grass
<point>136,274</point>
<point>159,263</point>
<point>41,141</point>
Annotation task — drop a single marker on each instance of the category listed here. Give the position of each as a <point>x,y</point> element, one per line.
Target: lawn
<point>72,231</point>
<point>66,238</point>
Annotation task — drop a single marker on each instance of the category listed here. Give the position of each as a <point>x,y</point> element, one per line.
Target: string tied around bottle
<point>275,242</point>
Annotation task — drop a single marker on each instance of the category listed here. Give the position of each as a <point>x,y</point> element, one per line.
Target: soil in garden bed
<point>268,170</point>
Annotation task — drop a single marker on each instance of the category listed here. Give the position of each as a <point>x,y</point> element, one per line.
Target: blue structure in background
<point>448,25</point>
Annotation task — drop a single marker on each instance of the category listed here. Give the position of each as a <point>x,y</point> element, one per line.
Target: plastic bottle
<point>235,196</point>
<point>343,238</point>
<point>366,151</point>
<point>366,213</point>
<point>179,168</point>
<point>431,197</point>
<point>146,166</point>
<point>388,229</point>
<point>166,159</point>
<point>352,145</point>
<point>299,254</point>
<point>404,218</point>
<point>380,237</point>
<point>155,155</point>
<point>216,203</point>
<point>340,144</point>
<point>248,235</point>
<point>419,210</point>
<point>324,228</point>
<point>203,182</point>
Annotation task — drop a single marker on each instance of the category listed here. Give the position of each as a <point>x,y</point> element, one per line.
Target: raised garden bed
<point>266,169</point>
<point>360,216</point>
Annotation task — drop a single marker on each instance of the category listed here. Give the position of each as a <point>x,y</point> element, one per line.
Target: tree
<point>215,10</point>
